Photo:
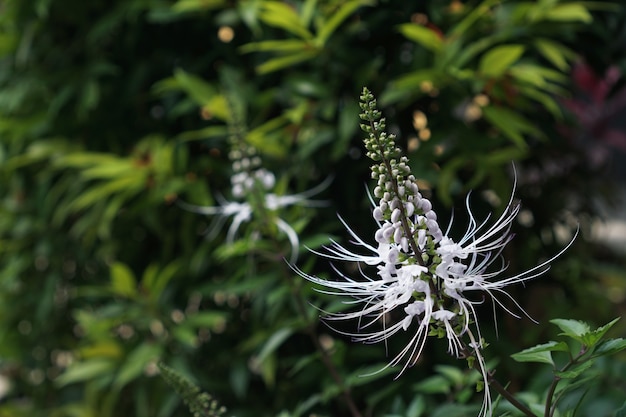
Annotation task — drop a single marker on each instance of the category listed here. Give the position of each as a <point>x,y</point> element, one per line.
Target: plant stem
<point>328,363</point>
<point>548,410</point>
<point>510,397</point>
<point>326,359</point>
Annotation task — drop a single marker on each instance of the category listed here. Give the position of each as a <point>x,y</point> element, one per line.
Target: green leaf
<point>273,343</point>
<point>282,46</point>
<point>368,374</point>
<point>453,374</point>
<point>207,319</point>
<point>540,353</point>
<point>155,281</point>
<point>609,347</point>
<point>186,6</point>
<point>498,60</point>
<point>568,385</point>
<point>592,338</point>
<point>569,13</point>
<point>471,18</point>
<point>512,125</point>
<point>346,9</point>
<point>205,133</point>
<point>123,280</point>
<point>556,53</point>
<point>283,16</point>
<point>275,64</point>
<point>621,412</point>
<point>426,37</point>
<point>198,89</point>
<point>572,328</point>
<point>136,363</point>
<point>575,371</point>
<point>436,384</point>
<point>85,371</point>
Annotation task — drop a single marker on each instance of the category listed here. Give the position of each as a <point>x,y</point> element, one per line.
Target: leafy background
<point>111,112</point>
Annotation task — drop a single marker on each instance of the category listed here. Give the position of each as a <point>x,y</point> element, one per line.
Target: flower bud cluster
<point>248,173</point>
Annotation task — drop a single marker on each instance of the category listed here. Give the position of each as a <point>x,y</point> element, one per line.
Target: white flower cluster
<point>248,173</point>
<point>248,176</point>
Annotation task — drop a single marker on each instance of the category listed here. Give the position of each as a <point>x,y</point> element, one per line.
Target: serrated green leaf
<point>567,385</point>
<point>498,60</point>
<point>575,371</point>
<point>592,338</point>
<point>123,280</point>
<point>424,36</point>
<point>609,347</point>
<point>540,353</point>
<point>572,328</point>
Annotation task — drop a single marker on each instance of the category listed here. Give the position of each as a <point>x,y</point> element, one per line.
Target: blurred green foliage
<point>112,111</point>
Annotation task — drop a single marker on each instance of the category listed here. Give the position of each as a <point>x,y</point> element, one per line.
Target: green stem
<point>491,380</point>
<point>509,397</point>
<point>550,408</point>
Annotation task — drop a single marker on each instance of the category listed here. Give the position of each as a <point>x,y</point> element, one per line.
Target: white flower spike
<point>246,178</point>
<point>421,272</point>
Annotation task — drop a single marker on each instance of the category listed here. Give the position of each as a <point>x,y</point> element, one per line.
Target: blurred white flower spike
<point>423,276</point>
<point>252,185</point>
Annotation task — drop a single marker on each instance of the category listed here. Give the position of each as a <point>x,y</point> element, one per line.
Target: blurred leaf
<point>621,412</point>
<point>436,384</point>
<point>283,16</point>
<point>283,46</point>
<point>155,281</point>
<point>184,6</point>
<point>338,17</point>
<point>498,60</point>
<point>86,371</point>
<point>136,362</point>
<point>424,36</point>
<point>123,281</point>
<point>569,13</point>
<point>368,374</point>
<point>512,125</point>
<point>471,18</point>
<point>273,343</point>
<point>274,64</point>
<point>556,53</point>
